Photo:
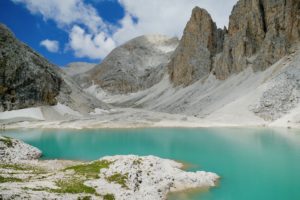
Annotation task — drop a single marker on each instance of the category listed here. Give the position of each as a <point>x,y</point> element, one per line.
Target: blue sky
<point>32,29</point>
<point>67,31</point>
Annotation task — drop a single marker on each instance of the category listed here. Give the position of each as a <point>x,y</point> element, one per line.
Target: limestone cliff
<point>260,32</point>
<point>200,42</point>
<point>28,80</point>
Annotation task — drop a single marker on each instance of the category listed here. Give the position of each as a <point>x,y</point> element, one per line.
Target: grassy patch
<point>18,167</point>
<point>73,186</point>
<point>109,197</point>
<point>7,141</point>
<point>119,179</point>
<point>137,161</point>
<point>90,170</point>
<point>13,166</point>
<point>9,179</point>
<point>84,198</point>
<point>36,189</point>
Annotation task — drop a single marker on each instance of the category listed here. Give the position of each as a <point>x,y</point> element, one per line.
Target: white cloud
<point>50,45</point>
<point>90,45</point>
<point>90,36</point>
<point>167,17</point>
<point>66,12</point>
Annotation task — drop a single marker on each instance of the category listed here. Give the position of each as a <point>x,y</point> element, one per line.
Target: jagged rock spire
<point>260,32</point>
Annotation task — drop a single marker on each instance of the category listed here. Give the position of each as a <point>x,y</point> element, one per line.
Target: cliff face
<point>200,42</point>
<point>29,80</point>
<point>260,33</point>
<point>26,78</point>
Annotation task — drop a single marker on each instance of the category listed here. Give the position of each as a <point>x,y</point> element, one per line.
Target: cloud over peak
<point>50,45</point>
<point>90,36</point>
<point>90,45</point>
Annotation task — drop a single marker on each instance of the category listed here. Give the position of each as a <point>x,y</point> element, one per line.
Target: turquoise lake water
<point>255,164</point>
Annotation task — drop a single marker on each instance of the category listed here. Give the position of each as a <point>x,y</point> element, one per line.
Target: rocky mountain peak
<point>137,64</point>
<point>200,42</point>
<point>260,32</point>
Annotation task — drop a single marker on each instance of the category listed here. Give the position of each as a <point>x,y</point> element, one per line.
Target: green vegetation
<point>36,189</point>
<point>86,172</point>
<point>73,186</point>
<point>18,167</point>
<point>109,197</point>
<point>7,141</point>
<point>137,162</point>
<point>9,179</point>
<point>13,166</point>
<point>84,198</point>
<point>119,179</point>
<point>90,170</point>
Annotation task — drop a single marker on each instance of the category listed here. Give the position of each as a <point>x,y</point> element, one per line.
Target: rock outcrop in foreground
<point>12,150</point>
<point>260,33</point>
<point>116,177</point>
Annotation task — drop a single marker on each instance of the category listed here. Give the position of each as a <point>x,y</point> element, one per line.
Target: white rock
<point>12,150</point>
<point>149,177</point>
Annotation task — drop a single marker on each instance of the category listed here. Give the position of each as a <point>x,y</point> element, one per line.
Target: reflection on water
<point>258,164</point>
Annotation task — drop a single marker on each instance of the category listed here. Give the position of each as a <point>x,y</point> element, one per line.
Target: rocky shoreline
<point>23,176</point>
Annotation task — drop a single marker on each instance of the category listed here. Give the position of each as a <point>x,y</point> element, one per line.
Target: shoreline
<point>128,118</point>
<point>57,126</point>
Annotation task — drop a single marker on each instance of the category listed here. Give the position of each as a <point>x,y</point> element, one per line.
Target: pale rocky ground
<point>22,176</point>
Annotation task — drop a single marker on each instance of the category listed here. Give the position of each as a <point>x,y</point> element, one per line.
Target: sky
<point>67,31</point>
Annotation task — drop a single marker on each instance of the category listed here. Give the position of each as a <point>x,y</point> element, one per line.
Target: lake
<point>254,164</point>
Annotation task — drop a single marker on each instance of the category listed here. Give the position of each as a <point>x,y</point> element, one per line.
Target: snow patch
<point>65,110</point>
<point>99,111</point>
<point>34,113</point>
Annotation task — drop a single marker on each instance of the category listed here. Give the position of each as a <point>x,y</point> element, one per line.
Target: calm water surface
<point>255,164</point>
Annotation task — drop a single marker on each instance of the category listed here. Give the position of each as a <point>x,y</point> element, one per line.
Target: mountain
<point>260,33</point>
<point>201,41</point>
<point>29,80</point>
<point>77,68</point>
<point>135,65</point>
<point>246,75</point>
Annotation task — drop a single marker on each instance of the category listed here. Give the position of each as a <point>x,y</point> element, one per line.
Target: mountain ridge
<point>138,64</point>
<point>260,32</point>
